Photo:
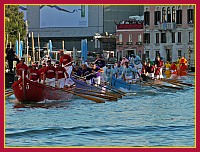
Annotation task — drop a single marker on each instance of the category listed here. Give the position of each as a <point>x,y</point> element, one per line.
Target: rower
<point>34,73</point>
<point>96,76</point>
<point>49,74</point>
<point>41,71</point>
<point>118,69</point>
<point>128,73</point>
<point>21,66</point>
<point>66,62</point>
<point>109,71</point>
<point>61,74</point>
<point>87,73</point>
<point>167,69</point>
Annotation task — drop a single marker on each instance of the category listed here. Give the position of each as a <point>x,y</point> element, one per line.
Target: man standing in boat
<point>136,62</point>
<point>66,62</point>
<point>128,73</point>
<point>49,74</point>
<point>21,66</point>
<point>61,74</point>
<point>118,69</point>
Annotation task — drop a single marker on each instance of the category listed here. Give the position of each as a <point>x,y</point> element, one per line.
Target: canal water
<point>152,117</point>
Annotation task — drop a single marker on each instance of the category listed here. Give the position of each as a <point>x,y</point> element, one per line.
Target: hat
<point>48,61</point>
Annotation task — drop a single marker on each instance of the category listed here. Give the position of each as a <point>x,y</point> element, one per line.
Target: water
<point>151,117</point>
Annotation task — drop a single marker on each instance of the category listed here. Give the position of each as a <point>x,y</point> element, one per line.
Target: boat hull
<point>29,91</point>
<point>119,83</point>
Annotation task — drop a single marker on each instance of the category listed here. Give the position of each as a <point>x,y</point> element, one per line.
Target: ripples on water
<point>153,117</point>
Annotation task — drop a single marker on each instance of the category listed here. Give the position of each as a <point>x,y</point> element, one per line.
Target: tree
<point>14,23</point>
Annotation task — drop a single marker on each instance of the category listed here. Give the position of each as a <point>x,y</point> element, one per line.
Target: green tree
<point>14,23</point>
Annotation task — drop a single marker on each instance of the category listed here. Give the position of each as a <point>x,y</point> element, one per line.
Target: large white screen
<point>63,16</point>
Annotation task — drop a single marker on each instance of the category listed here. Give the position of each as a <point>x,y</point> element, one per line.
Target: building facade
<point>169,32</point>
<point>129,38</point>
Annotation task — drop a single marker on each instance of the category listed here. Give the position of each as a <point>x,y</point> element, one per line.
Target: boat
<point>27,91</point>
<point>121,84</point>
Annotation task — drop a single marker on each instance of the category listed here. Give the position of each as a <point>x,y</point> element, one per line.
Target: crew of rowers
<point>130,70</point>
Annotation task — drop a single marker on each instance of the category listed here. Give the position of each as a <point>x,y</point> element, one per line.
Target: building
<point>68,24</point>
<point>169,32</point>
<point>129,36</point>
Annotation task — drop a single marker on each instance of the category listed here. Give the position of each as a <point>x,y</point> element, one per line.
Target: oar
<point>80,95</point>
<point>102,93</point>
<point>109,98</point>
<point>190,74</point>
<point>9,94</point>
<point>113,89</point>
<point>100,89</point>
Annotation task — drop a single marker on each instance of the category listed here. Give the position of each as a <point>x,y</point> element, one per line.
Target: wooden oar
<point>191,74</point>
<point>102,93</point>
<point>113,89</point>
<point>9,94</point>
<point>109,98</point>
<point>100,89</point>
<point>97,100</point>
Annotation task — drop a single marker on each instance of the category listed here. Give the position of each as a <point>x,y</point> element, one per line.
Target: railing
<point>167,26</point>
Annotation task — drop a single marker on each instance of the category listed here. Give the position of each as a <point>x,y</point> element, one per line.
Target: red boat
<point>27,91</point>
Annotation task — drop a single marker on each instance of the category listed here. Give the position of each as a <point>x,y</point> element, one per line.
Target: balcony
<point>167,26</point>
<point>119,43</point>
<point>129,43</point>
<point>138,43</point>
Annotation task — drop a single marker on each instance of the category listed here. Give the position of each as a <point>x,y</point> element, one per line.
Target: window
<point>157,15</point>
<point>179,53</point>
<point>179,37</point>
<point>157,54</point>
<point>173,14</point>
<point>146,18</point>
<point>157,37</point>
<point>179,17</point>
<point>190,16</point>
<point>139,38</point>
<point>173,37</point>
<point>147,54</point>
<point>190,36</point>
<point>163,37</point>
<point>164,15</point>
<point>168,15</point>
<point>120,38</point>
<point>146,37</point>
<point>130,38</point>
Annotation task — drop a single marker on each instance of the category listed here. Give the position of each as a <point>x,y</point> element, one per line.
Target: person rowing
<point>34,73</point>
<point>21,66</point>
<point>87,73</point>
<point>128,73</point>
<point>108,73</point>
<point>49,74</point>
<point>66,62</point>
<point>96,76</point>
<point>61,74</point>
<point>118,69</point>
<point>41,71</point>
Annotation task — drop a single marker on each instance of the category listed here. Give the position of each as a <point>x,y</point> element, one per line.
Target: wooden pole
<point>33,48</point>
<point>63,45</point>
<point>27,47</point>
<point>39,48</point>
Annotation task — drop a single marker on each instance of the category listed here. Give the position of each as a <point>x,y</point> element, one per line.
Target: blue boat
<point>121,84</point>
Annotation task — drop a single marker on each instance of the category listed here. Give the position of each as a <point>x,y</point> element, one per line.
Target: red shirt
<point>60,72</point>
<point>65,59</point>
<point>34,74</point>
<point>50,72</point>
<point>41,71</point>
<point>20,67</point>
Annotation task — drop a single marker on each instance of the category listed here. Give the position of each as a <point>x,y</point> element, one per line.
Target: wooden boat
<point>27,91</point>
<point>119,84</point>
